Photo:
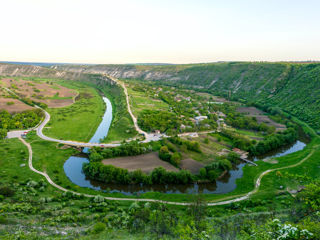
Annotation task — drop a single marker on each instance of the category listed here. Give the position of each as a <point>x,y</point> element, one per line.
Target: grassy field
<point>251,134</point>
<point>78,121</point>
<point>12,155</point>
<point>139,101</point>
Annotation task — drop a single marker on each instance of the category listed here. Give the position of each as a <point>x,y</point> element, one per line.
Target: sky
<point>159,31</point>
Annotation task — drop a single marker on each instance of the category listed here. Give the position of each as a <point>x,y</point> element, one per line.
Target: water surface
<point>73,170</point>
<point>103,129</point>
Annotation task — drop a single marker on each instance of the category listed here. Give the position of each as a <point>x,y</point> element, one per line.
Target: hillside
<point>294,87</point>
<point>13,70</point>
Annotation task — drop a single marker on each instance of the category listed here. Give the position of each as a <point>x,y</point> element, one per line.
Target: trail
<point>224,202</point>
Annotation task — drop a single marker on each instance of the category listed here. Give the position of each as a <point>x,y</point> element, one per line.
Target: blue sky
<point>176,31</point>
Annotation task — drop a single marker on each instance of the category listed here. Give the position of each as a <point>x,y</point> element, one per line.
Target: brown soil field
<point>41,92</point>
<point>17,107</point>
<point>146,162</point>
<point>261,117</point>
<point>191,165</point>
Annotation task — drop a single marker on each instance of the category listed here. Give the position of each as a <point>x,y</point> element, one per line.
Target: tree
<point>233,157</point>
<point>310,196</point>
<point>176,158</point>
<point>3,133</point>
<point>198,211</point>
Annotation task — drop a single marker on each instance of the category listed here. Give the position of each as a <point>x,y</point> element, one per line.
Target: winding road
<point>221,202</point>
<point>148,138</point>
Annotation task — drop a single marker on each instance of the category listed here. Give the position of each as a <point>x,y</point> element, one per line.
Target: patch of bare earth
<point>41,92</point>
<point>270,160</point>
<point>191,165</point>
<point>16,107</point>
<point>146,162</point>
<point>261,117</point>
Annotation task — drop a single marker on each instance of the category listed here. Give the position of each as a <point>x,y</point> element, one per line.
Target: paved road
<point>223,202</point>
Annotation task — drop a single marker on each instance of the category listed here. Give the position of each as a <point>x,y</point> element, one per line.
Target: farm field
<point>142,101</point>
<point>261,117</point>
<point>146,162</point>
<point>13,105</point>
<point>47,92</point>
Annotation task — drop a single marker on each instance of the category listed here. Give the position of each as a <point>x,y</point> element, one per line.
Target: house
<point>200,118</point>
<point>182,127</point>
<point>157,131</point>
<point>243,154</point>
<point>221,114</point>
<point>193,134</point>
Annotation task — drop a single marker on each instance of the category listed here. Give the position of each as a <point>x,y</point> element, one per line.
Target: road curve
<point>39,130</point>
<point>223,202</point>
<point>148,136</point>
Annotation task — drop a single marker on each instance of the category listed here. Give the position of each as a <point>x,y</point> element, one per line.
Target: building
<point>221,114</point>
<point>200,118</point>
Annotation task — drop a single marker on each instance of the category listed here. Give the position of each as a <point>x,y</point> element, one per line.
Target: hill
<point>293,87</point>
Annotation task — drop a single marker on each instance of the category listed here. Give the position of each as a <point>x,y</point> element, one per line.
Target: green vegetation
<point>142,99</point>
<point>170,110</point>
<point>132,148</point>
<point>157,120</point>
<point>110,174</point>
<point>292,87</point>
<point>286,205</point>
<point>23,120</point>
<point>122,127</point>
<point>31,208</point>
<point>78,121</point>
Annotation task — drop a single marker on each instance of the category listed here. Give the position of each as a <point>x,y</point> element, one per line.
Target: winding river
<point>103,129</point>
<point>73,169</point>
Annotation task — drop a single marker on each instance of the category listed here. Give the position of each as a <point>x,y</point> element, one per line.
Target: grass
<point>139,101</point>
<point>78,121</point>
<point>248,133</point>
<point>122,127</point>
<point>12,154</point>
<point>50,159</point>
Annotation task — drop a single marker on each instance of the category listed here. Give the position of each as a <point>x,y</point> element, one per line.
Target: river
<point>103,128</point>
<point>73,169</point>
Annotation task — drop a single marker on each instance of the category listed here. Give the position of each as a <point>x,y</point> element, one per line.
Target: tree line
<point>112,174</point>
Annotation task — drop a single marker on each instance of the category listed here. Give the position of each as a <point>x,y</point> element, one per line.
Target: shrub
<point>6,191</point>
<point>3,220</point>
<point>98,227</point>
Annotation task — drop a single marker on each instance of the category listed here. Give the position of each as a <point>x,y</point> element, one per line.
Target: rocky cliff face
<point>32,71</point>
<point>121,71</point>
<point>14,70</point>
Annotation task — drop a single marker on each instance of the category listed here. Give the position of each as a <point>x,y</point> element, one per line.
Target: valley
<point>145,141</point>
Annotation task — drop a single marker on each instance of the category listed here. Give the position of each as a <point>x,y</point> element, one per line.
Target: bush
<point>6,191</point>
<point>176,159</point>
<point>98,227</point>
<point>3,220</point>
